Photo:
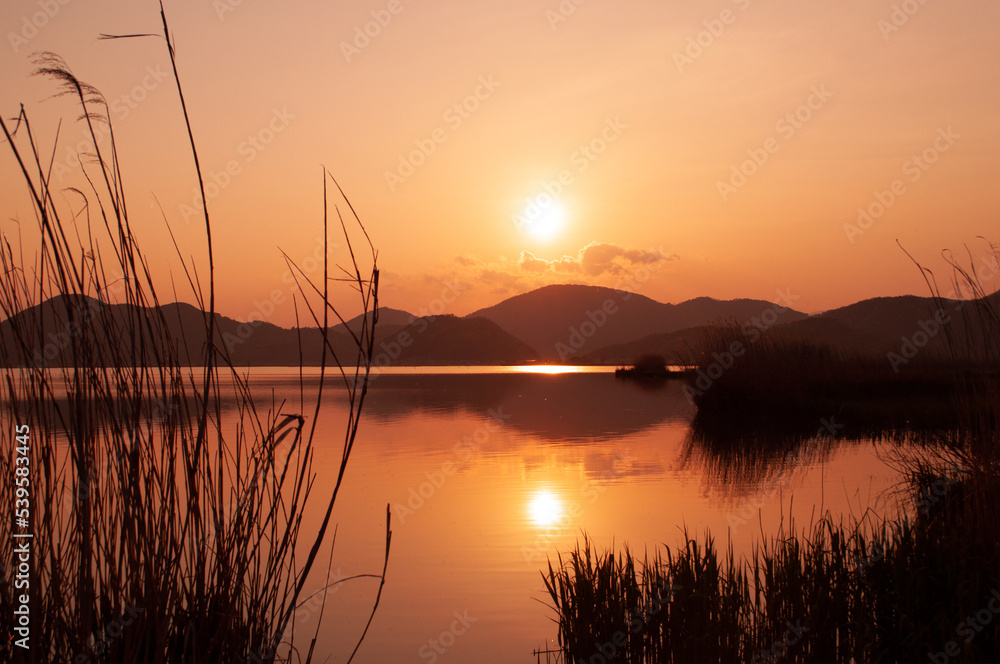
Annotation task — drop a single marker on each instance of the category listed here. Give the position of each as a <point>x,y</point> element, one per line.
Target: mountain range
<point>592,323</point>
<point>570,323</point>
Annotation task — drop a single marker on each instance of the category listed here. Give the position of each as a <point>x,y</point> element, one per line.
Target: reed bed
<point>875,591</point>
<point>160,533</point>
<point>786,385</point>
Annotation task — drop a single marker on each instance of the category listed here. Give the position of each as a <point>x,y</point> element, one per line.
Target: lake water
<point>492,472</point>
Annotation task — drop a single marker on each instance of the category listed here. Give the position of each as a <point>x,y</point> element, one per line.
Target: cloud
<point>501,281</point>
<point>530,263</point>
<point>595,260</point>
<point>486,282</point>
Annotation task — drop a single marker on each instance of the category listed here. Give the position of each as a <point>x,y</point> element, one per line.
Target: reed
<point>160,532</point>
<point>868,591</point>
<point>773,375</point>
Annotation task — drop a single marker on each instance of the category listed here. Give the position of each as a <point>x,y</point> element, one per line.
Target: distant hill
<point>574,323</point>
<point>386,316</point>
<point>451,340</point>
<point>571,320</point>
<point>883,320</point>
<point>876,326</point>
<point>55,326</point>
<point>882,324</point>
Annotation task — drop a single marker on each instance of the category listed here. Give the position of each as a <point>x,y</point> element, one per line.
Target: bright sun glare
<point>545,509</point>
<point>545,219</point>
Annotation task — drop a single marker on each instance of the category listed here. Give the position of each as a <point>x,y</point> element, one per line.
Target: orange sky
<point>730,142</point>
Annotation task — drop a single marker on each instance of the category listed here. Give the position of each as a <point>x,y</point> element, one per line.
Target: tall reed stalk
<point>162,531</point>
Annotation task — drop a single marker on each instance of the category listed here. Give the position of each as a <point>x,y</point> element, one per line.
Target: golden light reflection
<point>546,509</point>
<point>547,369</point>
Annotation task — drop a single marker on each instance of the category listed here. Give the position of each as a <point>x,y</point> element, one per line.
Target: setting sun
<point>543,218</point>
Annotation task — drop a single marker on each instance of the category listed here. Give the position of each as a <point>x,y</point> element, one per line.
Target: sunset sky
<point>717,148</point>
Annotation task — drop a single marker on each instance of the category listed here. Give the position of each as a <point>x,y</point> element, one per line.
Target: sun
<point>544,218</point>
<point>546,509</point>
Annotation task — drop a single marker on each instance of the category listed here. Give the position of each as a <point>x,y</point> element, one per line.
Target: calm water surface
<point>491,472</point>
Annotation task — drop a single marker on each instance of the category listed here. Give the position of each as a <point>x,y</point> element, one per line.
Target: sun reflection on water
<point>549,369</point>
<point>546,509</point>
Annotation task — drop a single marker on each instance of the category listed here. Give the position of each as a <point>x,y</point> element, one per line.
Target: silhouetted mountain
<point>54,330</point>
<point>878,325</point>
<point>574,321</point>
<point>598,325</point>
<point>386,316</point>
<point>451,340</point>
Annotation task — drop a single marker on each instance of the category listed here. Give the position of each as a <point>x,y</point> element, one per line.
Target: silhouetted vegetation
<point>648,367</point>
<point>923,586</point>
<point>748,378</point>
<point>161,532</point>
<point>875,591</point>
